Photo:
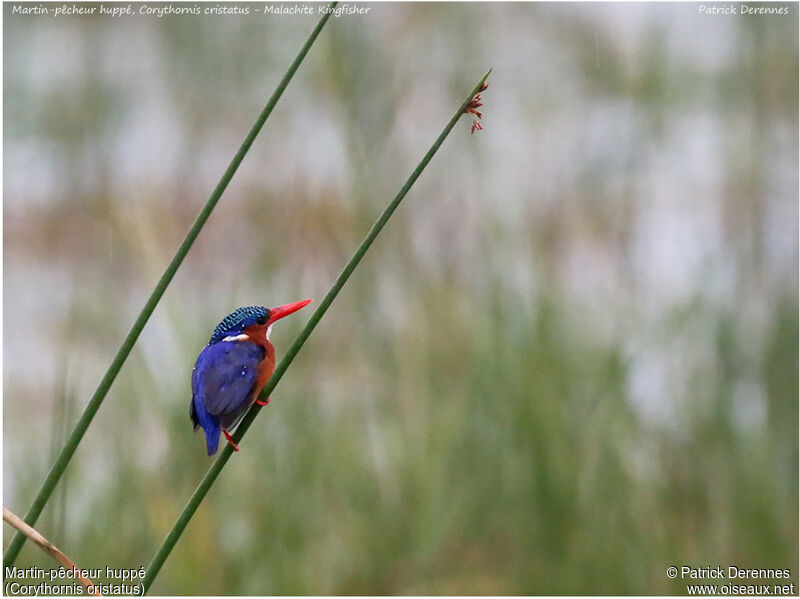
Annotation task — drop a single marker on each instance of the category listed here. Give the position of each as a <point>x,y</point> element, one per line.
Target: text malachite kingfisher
<point>233,368</point>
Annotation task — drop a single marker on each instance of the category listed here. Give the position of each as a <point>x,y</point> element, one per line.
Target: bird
<point>233,368</point>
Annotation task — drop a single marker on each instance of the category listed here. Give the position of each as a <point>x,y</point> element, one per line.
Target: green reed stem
<point>213,472</point>
<point>102,389</point>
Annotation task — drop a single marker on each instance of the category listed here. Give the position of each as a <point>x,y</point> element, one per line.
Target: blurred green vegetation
<point>570,361</point>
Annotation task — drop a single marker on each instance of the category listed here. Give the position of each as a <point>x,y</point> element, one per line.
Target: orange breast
<point>258,335</point>
<point>266,368</point>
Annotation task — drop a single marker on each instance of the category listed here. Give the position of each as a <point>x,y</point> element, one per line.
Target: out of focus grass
<point>570,364</point>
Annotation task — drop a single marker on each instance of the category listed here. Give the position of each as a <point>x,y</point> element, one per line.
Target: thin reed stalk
<point>75,437</point>
<point>213,472</point>
<point>46,546</point>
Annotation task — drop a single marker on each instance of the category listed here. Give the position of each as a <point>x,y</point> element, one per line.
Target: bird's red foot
<point>262,403</point>
<point>230,440</point>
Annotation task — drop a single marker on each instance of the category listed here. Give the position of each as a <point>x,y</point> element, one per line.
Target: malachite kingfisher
<point>232,370</point>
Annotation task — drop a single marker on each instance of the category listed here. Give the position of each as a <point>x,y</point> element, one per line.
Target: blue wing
<point>223,382</point>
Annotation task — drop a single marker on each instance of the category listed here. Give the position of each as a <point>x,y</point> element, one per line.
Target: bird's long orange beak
<point>281,311</point>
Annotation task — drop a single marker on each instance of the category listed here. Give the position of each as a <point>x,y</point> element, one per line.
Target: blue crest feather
<point>235,322</point>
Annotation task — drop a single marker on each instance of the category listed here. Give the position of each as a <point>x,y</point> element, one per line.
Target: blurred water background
<point>569,362</point>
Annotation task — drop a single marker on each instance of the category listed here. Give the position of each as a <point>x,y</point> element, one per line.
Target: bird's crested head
<point>238,320</point>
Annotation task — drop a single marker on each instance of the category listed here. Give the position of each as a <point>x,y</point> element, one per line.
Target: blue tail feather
<point>212,436</point>
<point>209,422</point>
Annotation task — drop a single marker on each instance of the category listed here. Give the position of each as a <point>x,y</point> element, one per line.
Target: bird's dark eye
<point>262,320</point>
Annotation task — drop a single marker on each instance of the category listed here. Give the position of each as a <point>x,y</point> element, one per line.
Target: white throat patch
<point>241,337</point>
